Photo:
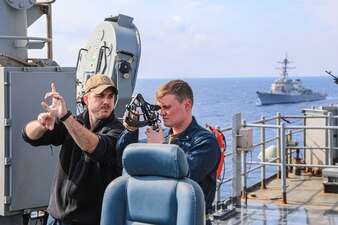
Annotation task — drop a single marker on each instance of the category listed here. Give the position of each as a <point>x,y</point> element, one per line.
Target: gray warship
<point>286,90</point>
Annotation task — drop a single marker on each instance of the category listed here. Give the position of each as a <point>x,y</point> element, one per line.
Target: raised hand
<point>134,116</point>
<point>58,107</point>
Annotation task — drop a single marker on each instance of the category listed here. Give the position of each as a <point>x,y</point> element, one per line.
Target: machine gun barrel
<point>334,77</point>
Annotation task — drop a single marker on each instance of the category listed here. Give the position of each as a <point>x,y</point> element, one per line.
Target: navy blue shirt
<point>202,151</point>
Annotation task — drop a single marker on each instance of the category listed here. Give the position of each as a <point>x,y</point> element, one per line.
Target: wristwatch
<point>68,114</point>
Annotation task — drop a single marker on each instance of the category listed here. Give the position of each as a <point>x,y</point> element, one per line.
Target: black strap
<point>68,114</point>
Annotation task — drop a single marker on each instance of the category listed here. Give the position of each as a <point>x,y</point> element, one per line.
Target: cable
<point>51,150</point>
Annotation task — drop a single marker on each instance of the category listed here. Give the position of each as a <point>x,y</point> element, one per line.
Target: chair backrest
<point>156,192</point>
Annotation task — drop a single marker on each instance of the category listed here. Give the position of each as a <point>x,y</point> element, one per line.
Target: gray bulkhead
<point>114,49</point>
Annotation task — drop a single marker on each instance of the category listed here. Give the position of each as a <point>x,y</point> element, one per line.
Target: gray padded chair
<point>156,192</point>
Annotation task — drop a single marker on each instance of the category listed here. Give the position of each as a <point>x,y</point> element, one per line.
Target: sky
<point>209,38</point>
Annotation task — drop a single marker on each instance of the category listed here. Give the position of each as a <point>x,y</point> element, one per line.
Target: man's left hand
<point>155,136</point>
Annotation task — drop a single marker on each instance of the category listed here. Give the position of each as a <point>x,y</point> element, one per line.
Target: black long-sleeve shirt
<point>81,178</point>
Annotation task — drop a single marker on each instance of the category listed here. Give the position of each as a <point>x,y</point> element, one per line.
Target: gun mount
<point>114,49</point>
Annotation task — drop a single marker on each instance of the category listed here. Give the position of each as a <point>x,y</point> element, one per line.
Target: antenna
<point>285,68</point>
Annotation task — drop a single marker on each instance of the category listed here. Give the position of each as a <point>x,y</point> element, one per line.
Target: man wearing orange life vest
<point>222,145</point>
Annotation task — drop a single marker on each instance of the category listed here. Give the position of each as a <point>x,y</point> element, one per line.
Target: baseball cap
<point>98,83</point>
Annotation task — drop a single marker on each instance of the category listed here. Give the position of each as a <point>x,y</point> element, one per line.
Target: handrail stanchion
<point>263,168</point>
<point>278,115</point>
<point>236,162</point>
<point>330,139</point>
<point>283,162</point>
<point>218,193</point>
<point>304,139</point>
<point>244,173</point>
<point>244,177</point>
<point>289,153</point>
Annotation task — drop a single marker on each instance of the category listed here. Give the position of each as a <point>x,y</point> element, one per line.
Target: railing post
<point>283,161</point>
<point>304,138</point>
<point>263,171</point>
<point>244,172</point>
<point>289,152</point>
<point>330,139</point>
<point>218,193</point>
<point>236,162</point>
<point>278,145</point>
<point>49,33</point>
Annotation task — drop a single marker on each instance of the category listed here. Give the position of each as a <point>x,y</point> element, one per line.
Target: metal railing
<point>286,146</point>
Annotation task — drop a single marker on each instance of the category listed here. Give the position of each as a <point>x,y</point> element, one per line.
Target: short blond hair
<point>180,88</point>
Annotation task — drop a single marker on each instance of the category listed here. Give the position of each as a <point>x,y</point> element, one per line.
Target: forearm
<point>34,130</point>
<point>127,137</point>
<point>83,137</point>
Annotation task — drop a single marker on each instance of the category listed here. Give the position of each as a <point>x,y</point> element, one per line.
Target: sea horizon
<point>224,77</point>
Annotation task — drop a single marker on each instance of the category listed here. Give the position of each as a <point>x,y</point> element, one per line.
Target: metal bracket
<point>7,161</point>
<point>7,200</point>
<point>26,69</point>
<point>7,122</point>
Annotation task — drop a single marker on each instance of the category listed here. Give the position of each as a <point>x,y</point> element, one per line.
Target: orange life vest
<point>222,145</point>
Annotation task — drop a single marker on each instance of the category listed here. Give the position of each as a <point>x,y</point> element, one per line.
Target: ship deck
<point>306,204</point>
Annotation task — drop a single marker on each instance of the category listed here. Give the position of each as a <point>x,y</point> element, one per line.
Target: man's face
<point>100,106</point>
<point>173,112</point>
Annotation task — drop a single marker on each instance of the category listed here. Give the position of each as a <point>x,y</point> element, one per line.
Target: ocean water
<point>216,100</point>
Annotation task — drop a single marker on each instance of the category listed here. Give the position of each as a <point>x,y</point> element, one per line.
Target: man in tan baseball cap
<point>98,83</point>
<point>88,159</point>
